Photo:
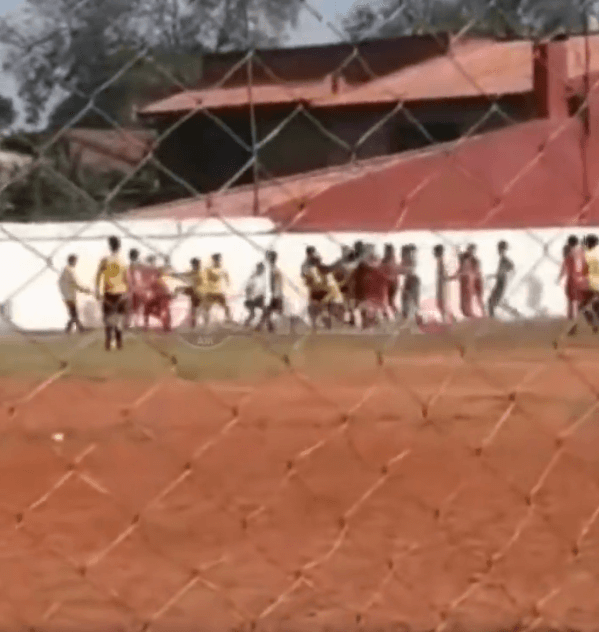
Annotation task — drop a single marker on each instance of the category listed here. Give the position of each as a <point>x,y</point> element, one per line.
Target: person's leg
<point>78,324</point>
<point>119,320</point>
<point>225,307</point>
<point>193,314</point>
<point>314,311</point>
<point>494,300</point>
<point>166,314</point>
<point>107,310</point>
<point>250,307</point>
<point>71,321</point>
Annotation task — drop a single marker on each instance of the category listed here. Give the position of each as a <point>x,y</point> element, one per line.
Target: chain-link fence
<point>390,422</point>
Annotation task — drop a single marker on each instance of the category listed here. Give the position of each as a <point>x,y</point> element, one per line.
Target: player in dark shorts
<point>441,279</point>
<point>505,267</point>
<point>390,267</point>
<point>193,290</point>
<point>112,290</point>
<point>410,294</point>
<point>275,290</point>
<point>255,294</point>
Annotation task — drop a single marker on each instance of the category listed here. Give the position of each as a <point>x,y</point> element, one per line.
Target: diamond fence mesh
<point>335,464</point>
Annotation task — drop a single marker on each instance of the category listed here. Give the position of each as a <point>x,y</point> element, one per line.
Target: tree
<point>57,186</point>
<point>62,52</point>
<point>8,114</point>
<point>499,18</point>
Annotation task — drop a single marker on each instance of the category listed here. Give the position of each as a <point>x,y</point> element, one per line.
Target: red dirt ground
<point>218,507</point>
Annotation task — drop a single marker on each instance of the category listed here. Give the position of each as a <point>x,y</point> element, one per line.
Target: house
<point>12,165</point>
<point>322,107</point>
<point>538,167</point>
<point>210,148</point>
<point>109,150</point>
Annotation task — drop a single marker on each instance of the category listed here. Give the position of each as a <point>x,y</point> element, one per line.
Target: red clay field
<point>346,486</point>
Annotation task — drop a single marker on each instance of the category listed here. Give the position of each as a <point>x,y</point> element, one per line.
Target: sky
<point>312,31</point>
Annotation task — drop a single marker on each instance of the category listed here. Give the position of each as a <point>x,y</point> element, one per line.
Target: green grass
<point>255,358</point>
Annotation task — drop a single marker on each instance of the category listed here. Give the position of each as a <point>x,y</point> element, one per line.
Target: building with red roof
<point>511,103</point>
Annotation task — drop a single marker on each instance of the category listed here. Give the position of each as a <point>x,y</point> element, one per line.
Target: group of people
<point>580,271</point>
<point>361,282</point>
<point>131,293</point>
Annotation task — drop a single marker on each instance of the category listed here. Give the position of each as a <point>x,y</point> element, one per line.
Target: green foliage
<point>7,112</point>
<point>58,187</point>
<point>69,51</point>
<point>501,18</point>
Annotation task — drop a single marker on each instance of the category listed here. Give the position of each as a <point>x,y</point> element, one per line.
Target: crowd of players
<point>360,286</point>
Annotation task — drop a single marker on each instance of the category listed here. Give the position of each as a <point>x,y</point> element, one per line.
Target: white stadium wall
<point>29,286</point>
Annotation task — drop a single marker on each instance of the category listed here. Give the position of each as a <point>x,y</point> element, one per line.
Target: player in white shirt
<point>69,288</point>
<point>255,293</point>
<point>274,289</point>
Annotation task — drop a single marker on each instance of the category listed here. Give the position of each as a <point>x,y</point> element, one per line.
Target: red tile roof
<point>238,97</point>
<point>471,68</point>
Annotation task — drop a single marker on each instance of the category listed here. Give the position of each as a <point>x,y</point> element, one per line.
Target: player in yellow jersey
<point>326,298</point>
<point>216,282</point>
<point>112,289</point>
<point>590,302</point>
<point>194,279</point>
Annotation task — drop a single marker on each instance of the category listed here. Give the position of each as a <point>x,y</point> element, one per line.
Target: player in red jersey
<point>574,270</point>
<point>471,284</point>
<point>464,276</point>
<point>476,281</point>
<point>136,289</point>
<point>372,290</point>
<point>158,297</point>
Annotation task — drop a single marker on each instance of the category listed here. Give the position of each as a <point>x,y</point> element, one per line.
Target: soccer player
<point>315,280</point>
<point>112,290</point>
<point>69,287</point>
<point>275,291</point>
<point>573,268</point>
<point>464,275</point>
<point>410,295</point>
<point>136,288</point>
<point>159,297</point>
<point>194,279</point>
<point>333,301</point>
<point>308,263</point>
<point>505,268</point>
<point>216,281</point>
<point>342,270</point>
<point>590,300</point>
<point>476,279</point>
<point>390,268</point>
<point>255,292</point>
<point>441,279</point>
<point>373,284</point>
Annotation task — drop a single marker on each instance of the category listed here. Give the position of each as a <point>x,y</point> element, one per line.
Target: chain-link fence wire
<point>432,491</point>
